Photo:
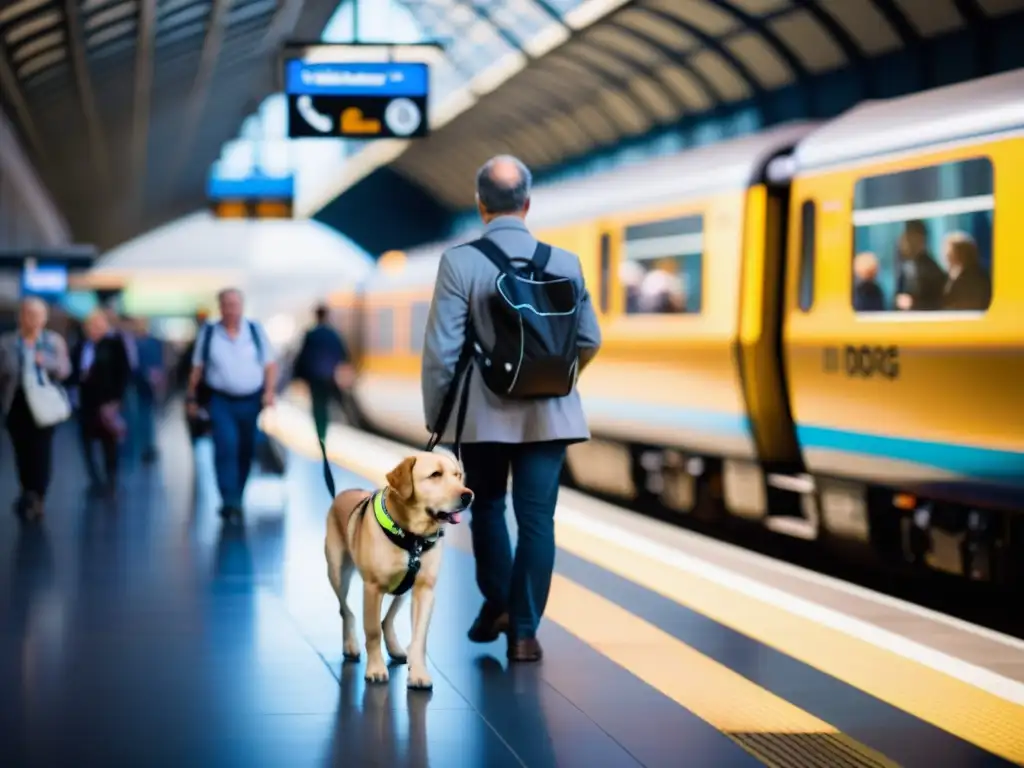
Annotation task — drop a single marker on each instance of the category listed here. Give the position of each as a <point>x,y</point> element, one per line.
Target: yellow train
<point>809,325</point>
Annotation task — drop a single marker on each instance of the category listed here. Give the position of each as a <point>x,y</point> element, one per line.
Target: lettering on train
<point>863,361</point>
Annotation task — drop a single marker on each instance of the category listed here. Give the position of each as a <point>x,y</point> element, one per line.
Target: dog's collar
<point>416,546</point>
<point>405,540</point>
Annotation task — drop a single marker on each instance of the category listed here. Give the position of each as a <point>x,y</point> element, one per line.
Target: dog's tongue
<point>454,518</point>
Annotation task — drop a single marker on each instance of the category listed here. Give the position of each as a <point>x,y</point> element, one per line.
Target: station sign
<point>357,100</point>
<point>38,279</point>
<point>252,197</point>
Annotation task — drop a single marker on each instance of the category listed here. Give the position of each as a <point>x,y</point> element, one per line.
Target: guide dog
<point>393,538</point>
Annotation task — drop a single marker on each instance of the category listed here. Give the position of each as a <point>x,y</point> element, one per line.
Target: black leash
<point>464,366</point>
<point>328,476</point>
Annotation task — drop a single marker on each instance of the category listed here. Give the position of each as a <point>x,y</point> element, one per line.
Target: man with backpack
<point>510,328</point>
<point>234,363</point>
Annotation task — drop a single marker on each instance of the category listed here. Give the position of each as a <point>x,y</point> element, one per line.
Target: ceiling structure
<point>124,104</point>
<point>586,74</point>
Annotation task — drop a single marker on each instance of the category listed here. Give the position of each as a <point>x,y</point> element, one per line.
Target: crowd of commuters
<point>108,375</point>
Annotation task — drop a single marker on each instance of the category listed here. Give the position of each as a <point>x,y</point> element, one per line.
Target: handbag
<point>46,399</point>
<point>112,422</point>
<point>271,456</point>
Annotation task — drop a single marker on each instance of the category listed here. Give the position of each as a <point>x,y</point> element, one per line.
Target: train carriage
<point>914,396</point>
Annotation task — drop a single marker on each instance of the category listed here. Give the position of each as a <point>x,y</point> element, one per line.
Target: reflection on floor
<point>139,633</point>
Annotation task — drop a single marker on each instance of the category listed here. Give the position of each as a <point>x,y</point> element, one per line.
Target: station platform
<point>142,632</point>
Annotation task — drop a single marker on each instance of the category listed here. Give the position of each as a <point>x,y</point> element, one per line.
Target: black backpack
<point>536,327</point>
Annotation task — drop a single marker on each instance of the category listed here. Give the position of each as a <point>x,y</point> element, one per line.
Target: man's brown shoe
<point>527,649</point>
<point>489,625</point>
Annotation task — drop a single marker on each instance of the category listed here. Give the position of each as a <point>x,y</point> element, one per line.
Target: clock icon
<point>403,117</point>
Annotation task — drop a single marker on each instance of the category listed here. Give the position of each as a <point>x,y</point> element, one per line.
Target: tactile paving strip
<point>810,750</point>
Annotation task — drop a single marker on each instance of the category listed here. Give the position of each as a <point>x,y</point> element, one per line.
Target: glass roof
<point>478,34</point>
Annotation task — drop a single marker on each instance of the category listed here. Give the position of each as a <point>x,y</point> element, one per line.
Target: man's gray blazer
<point>465,281</point>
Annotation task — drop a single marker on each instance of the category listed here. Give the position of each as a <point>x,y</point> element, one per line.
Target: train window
<point>922,239</point>
<point>606,270</point>
<point>418,325</point>
<point>382,331</point>
<point>662,268</point>
<point>807,243</point>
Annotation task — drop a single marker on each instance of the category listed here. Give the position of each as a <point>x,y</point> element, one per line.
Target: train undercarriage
<point>875,524</point>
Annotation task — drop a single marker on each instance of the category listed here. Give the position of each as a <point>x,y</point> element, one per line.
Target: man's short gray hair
<point>225,292</point>
<point>503,193</point>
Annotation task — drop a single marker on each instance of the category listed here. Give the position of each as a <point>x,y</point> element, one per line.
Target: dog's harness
<point>415,546</point>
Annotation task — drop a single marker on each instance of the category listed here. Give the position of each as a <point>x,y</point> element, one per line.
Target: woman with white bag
<point>33,360</point>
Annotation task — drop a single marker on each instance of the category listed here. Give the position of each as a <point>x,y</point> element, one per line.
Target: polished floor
<point>142,633</point>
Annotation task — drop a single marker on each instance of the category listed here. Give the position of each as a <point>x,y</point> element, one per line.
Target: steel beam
<point>143,93</point>
<point>80,67</point>
<point>201,85</point>
<point>10,87</point>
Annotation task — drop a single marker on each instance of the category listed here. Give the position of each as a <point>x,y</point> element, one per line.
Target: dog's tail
<point>328,475</point>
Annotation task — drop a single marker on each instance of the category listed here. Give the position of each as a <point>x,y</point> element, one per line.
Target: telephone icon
<point>316,120</point>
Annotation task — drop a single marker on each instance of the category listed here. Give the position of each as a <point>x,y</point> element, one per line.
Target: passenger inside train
<point>958,228</point>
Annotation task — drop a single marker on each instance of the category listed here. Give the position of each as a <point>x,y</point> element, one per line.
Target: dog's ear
<point>400,479</point>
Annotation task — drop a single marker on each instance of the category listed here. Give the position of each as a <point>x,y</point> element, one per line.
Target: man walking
<point>234,359</point>
<point>525,436</point>
<point>323,363</point>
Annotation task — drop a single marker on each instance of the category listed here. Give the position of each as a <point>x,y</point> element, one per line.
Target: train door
<point>770,489</point>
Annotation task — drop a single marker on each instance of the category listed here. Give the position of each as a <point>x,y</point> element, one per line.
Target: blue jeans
<point>130,413</point>
<point>233,427</point>
<point>519,584</point>
<point>146,421</point>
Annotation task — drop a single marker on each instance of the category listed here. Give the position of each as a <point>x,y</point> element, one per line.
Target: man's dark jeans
<point>519,584</point>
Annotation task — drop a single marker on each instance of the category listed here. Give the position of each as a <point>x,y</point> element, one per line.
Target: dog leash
<point>328,475</point>
<point>448,405</point>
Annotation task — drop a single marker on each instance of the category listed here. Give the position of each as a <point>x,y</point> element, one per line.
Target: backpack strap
<point>541,257</point>
<point>495,255</point>
<point>498,257</point>
<point>206,341</point>
<point>256,340</point>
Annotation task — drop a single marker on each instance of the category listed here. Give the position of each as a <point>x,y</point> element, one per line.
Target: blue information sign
<point>367,100</point>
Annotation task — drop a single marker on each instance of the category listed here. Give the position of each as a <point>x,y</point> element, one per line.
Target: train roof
<point>953,113</point>
<point>718,167</point>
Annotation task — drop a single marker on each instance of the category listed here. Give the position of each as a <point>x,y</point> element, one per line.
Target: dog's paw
<point>350,658</point>
<point>351,650</point>
<point>397,654</point>
<point>419,680</point>
<point>376,673</point>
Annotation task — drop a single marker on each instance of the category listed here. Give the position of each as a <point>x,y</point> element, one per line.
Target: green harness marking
<point>415,546</point>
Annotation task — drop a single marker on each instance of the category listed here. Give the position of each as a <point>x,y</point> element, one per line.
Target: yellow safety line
<point>713,692</point>
<point>977,716</point>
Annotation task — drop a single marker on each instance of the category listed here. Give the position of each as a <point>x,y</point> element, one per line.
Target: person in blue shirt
<point>324,364</point>
<point>150,380</point>
<point>233,358</point>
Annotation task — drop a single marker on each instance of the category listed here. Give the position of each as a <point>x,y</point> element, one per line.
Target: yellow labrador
<point>393,538</point>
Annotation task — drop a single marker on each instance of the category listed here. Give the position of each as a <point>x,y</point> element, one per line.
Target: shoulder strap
<point>495,255</point>
<point>206,341</point>
<point>256,340</point>
<point>541,256</point>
